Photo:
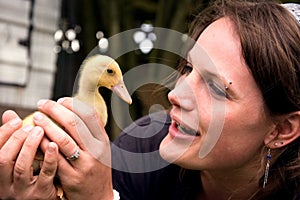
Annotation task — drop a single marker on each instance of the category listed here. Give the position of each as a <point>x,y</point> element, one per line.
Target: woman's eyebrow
<point>205,70</point>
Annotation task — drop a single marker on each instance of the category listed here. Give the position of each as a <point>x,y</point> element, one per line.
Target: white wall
<point>13,57</point>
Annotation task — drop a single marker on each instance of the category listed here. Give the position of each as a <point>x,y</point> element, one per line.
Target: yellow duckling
<point>96,71</point>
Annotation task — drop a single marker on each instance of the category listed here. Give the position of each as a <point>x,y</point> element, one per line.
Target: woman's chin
<point>172,149</point>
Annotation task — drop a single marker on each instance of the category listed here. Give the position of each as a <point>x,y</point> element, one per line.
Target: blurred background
<point>43,43</point>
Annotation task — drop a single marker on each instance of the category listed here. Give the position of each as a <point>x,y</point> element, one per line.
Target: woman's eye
<point>186,69</point>
<point>217,89</point>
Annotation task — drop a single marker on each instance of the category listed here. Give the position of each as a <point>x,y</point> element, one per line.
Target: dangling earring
<point>267,168</point>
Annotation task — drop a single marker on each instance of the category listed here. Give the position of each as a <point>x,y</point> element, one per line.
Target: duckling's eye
<point>110,71</point>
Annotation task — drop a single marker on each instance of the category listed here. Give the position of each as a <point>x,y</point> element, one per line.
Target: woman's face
<point>218,115</point>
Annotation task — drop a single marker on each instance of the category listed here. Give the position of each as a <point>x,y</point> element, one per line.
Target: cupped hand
<point>17,150</point>
<point>78,126</point>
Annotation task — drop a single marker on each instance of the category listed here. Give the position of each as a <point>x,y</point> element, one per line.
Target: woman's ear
<point>285,132</point>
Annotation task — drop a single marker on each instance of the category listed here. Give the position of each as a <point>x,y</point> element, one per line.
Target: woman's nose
<point>182,95</point>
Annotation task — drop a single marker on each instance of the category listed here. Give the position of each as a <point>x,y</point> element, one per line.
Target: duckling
<point>95,71</point>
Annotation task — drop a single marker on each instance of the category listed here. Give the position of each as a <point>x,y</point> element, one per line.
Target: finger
<point>49,166</point>
<point>9,115</point>
<point>65,169</point>
<point>12,147</point>
<point>8,155</point>
<point>11,122</point>
<point>75,127</point>
<point>56,134</point>
<point>95,138</point>
<point>6,167</point>
<point>65,117</point>
<point>88,114</point>
<point>23,166</point>
<point>5,176</point>
<point>7,129</point>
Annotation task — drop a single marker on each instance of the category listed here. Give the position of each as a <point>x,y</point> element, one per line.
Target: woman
<point>232,133</point>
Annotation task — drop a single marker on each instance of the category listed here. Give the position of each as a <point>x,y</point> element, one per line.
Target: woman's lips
<point>186,130</point>
<point>180,131</point>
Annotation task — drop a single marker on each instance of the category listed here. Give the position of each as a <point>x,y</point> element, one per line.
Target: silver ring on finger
<point>75,155</point>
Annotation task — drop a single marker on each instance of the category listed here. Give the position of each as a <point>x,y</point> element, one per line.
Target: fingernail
<point>36,131</point>
<point>15,122</point>
<point>37,116</point>
<point>51,147</point>
<point>60,100</point>
<point>27,128</point>
<point>41,102</point>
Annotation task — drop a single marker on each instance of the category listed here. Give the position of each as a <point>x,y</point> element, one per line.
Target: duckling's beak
<point>121,90</point>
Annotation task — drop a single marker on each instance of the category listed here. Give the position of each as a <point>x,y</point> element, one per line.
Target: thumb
<point>49,167</point>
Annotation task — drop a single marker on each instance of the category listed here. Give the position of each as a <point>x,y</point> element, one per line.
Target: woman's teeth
<point>186,131</point>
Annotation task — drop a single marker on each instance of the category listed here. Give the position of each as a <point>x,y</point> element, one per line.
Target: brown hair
<point>270,43</point>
